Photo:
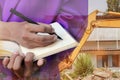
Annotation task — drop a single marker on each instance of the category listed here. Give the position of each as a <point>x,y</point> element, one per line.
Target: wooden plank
<point>115,60</point>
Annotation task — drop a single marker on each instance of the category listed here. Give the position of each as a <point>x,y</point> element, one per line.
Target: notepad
<point>8,47</point>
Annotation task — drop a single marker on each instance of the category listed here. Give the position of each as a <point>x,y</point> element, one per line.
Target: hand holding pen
<point>13,11</point>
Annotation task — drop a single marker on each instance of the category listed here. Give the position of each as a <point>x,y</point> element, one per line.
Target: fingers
<point>40,62</point>
<point>14,64</point>
<point>29,35</point>
<point>41,38</point>
<point>28,64</point>
<point>44,28</point>
<point>18,70</point>
<point>5,61</point>
<point>17,62</point>
<point>11,62</point>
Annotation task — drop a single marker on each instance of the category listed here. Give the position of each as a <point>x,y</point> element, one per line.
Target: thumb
<point>40,62</point>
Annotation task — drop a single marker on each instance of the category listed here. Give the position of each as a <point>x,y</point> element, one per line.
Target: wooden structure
<point>103,53</point>
<point>93,22</point>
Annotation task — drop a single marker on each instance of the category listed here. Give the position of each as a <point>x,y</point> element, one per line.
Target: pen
<point>13,11</point>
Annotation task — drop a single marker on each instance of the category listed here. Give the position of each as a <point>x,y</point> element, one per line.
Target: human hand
<point>22,66</point>
<point>24,33</point>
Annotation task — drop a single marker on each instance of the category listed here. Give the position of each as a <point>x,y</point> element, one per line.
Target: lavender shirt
<point>71,14</point>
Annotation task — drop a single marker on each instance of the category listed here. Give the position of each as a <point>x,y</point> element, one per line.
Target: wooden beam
<point>103,52</point>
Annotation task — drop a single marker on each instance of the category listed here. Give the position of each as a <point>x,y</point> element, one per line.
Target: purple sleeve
<point>1,7</point>
<point>2,3</point>
<point>72,16</point>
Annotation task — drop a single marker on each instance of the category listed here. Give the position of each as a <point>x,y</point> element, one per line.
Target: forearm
<point>4,33</point>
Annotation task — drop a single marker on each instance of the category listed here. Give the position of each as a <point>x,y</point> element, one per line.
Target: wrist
<point>4,33</point>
